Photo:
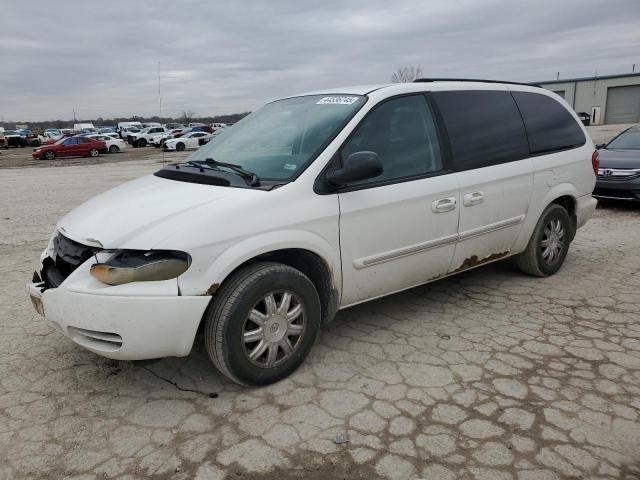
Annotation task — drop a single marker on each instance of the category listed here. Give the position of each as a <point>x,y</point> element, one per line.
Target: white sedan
<point>114,145</point>
<point>192,140</point>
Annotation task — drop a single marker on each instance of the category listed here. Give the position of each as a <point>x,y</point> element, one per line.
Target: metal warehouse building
<point>608,99</point>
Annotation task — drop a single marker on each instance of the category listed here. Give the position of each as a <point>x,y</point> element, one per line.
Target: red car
<point>70,147</point>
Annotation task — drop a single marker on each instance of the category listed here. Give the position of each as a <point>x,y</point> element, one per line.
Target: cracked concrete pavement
<point>490,374</point>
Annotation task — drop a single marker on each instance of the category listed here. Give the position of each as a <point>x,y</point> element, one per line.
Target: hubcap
<point>552,240</point>
<point>272,331</point>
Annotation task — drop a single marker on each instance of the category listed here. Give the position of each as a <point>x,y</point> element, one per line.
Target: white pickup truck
<point>144,137</point>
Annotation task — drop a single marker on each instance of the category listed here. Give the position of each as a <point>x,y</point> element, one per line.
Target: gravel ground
<point>490,374</point>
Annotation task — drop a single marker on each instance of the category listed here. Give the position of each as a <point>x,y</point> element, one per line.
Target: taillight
<point>595,163</point>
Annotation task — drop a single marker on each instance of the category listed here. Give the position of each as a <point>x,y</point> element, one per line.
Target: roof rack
<point>426,80</point>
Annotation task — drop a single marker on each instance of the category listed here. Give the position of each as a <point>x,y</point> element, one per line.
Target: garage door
<point>623,105</point>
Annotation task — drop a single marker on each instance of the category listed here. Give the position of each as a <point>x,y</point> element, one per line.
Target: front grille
<point>68,255</point>
<point>618,178</point>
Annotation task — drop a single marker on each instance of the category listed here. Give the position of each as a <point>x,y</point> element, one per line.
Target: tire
<point>94,152</point>
<point>243,299</point>
<point>114,149</point>
<point>142,142</point>
<point>549,243</point>
<point>180,147</point>
<point>49,155</point>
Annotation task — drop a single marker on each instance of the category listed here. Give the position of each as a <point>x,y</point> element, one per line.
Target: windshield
<point>629,140</point>
<point>280,138</point>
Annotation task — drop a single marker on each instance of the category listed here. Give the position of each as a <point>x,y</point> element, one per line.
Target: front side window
<point>549,125</point>
<point>281,138</point>
<point>484,127</point>
<point>403,134</point>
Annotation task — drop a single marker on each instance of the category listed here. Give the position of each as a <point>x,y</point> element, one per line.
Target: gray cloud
<point>100,59</point>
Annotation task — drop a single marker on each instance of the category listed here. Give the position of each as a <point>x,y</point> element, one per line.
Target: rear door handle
<point>473,198</point>
<point>444,205</point>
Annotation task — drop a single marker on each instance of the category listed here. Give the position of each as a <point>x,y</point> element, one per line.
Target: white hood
<point>142,213</point>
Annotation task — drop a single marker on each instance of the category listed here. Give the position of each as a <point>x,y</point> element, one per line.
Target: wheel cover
<point>273,329</point>
<point>94,153</point>
<point>552,242</point>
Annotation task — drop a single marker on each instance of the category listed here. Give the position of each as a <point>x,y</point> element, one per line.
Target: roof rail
<point>426,80</point>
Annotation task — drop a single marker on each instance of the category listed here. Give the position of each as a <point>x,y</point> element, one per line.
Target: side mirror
<point>600,145</point>
<point>357,166</point>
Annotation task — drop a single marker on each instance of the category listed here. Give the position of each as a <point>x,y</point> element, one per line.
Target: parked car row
<point>139,135</point>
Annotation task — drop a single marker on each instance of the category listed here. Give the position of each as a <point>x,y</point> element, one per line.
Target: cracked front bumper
<point>135,321</point>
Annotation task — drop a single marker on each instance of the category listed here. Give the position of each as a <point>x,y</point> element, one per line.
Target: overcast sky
<point>101,58</point>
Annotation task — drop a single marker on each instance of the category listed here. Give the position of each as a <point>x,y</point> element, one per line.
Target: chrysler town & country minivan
<point>312,204</point>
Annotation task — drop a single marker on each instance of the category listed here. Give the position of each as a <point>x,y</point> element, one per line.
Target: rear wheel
<point>180,147</point>
<point>49,155</point>
<point>94,152</point>
<point>549,243</point>
<point>114,149</point>
<point>262,323</point>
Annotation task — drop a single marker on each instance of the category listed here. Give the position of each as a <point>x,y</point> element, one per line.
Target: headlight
<point>139,266</point>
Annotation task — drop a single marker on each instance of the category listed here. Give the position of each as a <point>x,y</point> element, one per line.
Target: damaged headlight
<point>139,266</point>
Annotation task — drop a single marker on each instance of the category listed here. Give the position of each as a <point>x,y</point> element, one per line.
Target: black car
<point>619,170</point>
<point>14,139</point>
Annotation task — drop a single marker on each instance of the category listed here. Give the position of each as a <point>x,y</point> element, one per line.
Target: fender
<point>536,208</point>
<point>252,247</point>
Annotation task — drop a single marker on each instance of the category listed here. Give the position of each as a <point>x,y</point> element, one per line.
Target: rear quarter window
<point>550,127</point>
<point>484,127</point>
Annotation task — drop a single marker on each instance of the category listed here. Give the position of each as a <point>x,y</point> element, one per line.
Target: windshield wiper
<point>195,164</point>
<point>251,178</point>
<point>211,164</point>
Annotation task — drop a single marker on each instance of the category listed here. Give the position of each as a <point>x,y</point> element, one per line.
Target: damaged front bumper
<point>135,321</point>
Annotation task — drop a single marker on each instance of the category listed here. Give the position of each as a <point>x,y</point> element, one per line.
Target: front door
<point>397,230</point>
<point>70,147</point>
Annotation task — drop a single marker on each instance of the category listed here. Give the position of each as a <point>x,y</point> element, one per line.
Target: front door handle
<point>444,205</point>
<point>473,198</point>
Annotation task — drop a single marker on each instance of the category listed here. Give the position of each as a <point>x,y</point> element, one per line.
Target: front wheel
<point>180,147</point>
<point>549,243</point>
<point>142,142</point>
<point>114,149</point>
<point>262,323</point>
<point>94,152</point>
<point>49,155</point>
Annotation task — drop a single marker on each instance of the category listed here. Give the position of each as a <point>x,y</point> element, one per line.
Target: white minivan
<point>312,204</point>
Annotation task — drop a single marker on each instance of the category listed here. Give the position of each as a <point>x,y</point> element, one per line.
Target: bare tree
<point>187,116</point>
<point>406,74</point>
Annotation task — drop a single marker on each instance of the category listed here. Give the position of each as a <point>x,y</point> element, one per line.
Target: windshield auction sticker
<point>337,101</point>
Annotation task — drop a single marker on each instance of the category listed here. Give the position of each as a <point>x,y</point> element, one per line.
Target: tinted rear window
<point>549,125</point>
<point>484,127</point>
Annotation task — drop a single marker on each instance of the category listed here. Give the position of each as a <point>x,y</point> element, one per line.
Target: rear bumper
<point>136,321</point>
<point>585,207</point>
